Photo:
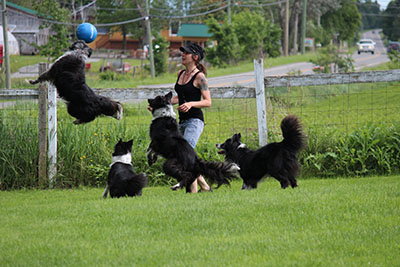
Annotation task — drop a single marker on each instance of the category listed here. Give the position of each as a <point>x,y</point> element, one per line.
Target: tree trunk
<point>296,28</point>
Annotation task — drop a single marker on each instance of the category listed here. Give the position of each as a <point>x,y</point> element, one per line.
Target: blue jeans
<point>191,130</point>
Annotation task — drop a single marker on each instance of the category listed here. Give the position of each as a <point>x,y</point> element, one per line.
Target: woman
<point>192,95</point>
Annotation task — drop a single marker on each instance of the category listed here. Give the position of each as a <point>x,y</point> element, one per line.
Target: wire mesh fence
<point>84,151</point>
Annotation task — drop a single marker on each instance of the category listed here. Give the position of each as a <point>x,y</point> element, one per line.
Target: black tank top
<point>187,93</point>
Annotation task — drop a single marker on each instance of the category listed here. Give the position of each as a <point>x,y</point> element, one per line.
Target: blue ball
<point>86,32</point>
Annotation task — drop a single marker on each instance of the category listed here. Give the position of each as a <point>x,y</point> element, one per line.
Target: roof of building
<point>27,10</point>
<point>194,30</point>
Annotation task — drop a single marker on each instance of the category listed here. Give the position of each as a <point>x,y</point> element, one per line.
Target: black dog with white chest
<point>68,75</point>
<point>279,160</point>
<point>182,161</point>
<point>122,180</point>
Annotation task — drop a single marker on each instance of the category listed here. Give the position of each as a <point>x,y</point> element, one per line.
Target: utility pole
<point>286,45</point>
<point>150,42</point>
<point>229,12</point>
<point>5,45</point>
<point>303,27</point>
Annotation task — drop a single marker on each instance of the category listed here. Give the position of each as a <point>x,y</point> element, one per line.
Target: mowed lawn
<point>323,222</point>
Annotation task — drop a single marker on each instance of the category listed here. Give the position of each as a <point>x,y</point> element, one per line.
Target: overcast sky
<point>383,3</point>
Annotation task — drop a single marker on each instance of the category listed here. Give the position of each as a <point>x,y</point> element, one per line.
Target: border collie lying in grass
<point>68,76</point>
<point>122,180</point>
<point>276,159</point>
<point>182,161</point>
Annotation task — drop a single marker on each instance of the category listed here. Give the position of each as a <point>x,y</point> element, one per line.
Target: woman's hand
<point>185,107</point>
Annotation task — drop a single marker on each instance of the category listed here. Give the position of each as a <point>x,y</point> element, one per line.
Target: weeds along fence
<point>351,121</point>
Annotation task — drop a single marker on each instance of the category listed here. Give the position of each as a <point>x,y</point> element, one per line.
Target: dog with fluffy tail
<point>278,160</point>
<point>182,161</point>
<point>68,75</point>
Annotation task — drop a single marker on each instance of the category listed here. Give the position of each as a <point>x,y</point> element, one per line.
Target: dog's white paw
<point>118,115</point>
<point>176,187</point>
<point>234,167</point>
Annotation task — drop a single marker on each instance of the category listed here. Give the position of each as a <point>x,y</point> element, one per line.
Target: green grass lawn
<point>332,222</point>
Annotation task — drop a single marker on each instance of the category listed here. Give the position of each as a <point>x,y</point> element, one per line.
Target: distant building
<point>184,33</point>
<point>177,36</point>
<point>24,24</point>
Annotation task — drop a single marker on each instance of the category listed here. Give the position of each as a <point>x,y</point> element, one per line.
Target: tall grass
<point>332,222</point>
<point>84,151</point>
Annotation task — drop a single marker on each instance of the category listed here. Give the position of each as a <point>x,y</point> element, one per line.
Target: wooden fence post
<point>260,99</point>
<point>52,131</point>
<point>42,123</point>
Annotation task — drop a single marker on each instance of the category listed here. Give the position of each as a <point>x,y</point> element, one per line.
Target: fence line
<point>217,92</point>
<point>333,78</point>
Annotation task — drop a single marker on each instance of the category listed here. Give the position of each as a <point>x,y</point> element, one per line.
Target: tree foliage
<point>344,22</point>
<point>371,14</point>
<point>227,48</point>
<point>58,37</point>
<point>330,60</point>
<point>391,21</point>
<point>248,35</point>
<point>255,34</point>
<point>112,11</point>
<point>160,50</point>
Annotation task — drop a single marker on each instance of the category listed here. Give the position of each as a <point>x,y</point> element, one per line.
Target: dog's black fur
<point>276,159</point>
<point>182,161</point>
<point>122,180</point>
<point>68,76</point>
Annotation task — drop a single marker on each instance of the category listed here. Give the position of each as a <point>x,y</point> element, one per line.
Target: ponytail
<point>200,66</point>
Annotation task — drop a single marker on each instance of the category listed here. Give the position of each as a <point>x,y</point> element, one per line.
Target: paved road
<point>247,79</point>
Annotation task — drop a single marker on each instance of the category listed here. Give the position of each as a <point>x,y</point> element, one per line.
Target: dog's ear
<point>130,143</point>
<point>236,137</point>
<point>72,46</point>
<point>169,95</point>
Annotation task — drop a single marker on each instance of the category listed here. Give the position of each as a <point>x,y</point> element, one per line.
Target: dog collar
<point>242,146</point>
<point>125,159</point>
<point>164,112</point>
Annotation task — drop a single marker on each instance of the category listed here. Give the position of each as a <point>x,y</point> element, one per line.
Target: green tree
<point>227,48</point>
<point>391,21</point>
<point>58,37</point>
<point>370,11</point>
<point>114,11</point>
<point>255,34</point>
<point>344,22</point>
<point>160,50</point>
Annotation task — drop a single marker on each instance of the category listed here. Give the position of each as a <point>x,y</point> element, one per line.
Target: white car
<point>366,45</point>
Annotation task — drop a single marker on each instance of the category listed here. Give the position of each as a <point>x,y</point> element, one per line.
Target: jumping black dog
<point>182,161</point>
<point>68,75</point>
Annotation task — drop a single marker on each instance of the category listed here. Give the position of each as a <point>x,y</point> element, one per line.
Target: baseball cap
<point>194,49</point>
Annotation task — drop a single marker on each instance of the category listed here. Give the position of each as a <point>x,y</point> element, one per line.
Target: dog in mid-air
<point>122,180</point>
<point>68,75</point>
<point>182,161</point>
<point>278,160</point>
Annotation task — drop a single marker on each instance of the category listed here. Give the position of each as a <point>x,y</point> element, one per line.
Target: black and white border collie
<point>279,160</point>
<point>68,75</point>
<point>182,161</point>
<point>122,180</point>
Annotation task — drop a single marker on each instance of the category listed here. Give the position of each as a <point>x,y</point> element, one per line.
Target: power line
<point>191,15</point>
<point>164,16</point>
<point>260,5</point>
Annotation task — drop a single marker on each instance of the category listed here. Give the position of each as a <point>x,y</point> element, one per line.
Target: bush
<point>84,151</point>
